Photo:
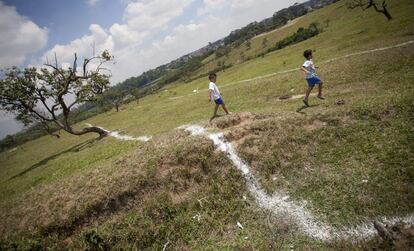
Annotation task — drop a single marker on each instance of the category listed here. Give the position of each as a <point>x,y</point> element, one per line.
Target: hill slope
<point>351,162</point>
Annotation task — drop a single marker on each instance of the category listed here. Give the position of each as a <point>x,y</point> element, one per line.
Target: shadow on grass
<point>76,148</point>
<point>300,110</point>
<point>216,117</point>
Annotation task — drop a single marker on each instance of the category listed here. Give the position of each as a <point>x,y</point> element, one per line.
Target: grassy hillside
<point>350,162</point>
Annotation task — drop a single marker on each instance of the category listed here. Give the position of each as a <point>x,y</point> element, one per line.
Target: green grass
<point>39,167</point>
<point>56,192</point>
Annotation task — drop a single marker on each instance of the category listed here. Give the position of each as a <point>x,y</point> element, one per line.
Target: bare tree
<point>48,95</point>
<point>242,56</point>
<point>114,98</point>
<point>264,42</point>
<point>248,45</point>
<point>136,93</point>
<point>366,4</point>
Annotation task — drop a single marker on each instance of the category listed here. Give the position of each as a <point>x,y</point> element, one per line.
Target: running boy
<point>311,77</point>
<point>214,93</point>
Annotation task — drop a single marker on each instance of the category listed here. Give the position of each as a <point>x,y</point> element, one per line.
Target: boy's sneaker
<point>320,97</point>
<point>306,103</point>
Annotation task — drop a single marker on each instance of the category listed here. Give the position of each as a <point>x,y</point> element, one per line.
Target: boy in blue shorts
<point>311,77</point>
<point>214,93</point>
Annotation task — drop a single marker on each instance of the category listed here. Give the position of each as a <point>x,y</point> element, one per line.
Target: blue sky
<point>141,34</point>
<point>67,20</point>
<point>150,30</point>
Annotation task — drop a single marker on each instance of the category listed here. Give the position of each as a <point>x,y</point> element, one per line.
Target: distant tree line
<point>300,35</point>
<point>278,19</point>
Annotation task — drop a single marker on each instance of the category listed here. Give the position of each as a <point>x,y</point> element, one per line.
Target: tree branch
<point>371,3</point>
<point>75,65</point>
<point>43,100</point>
<point>56,69</point>
<point>35,112</point>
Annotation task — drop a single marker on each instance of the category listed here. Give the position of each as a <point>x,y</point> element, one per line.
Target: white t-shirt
<point>216,93</point>
<point>310,67</point>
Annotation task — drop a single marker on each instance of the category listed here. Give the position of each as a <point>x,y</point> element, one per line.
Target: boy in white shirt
<point>311,77</point>
<point>214,93</point>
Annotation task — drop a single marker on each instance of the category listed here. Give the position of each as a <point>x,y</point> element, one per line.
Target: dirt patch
<point>94,212</point>
<point>339,101</point>
<point>316,124</point>
<point>237,134</point>
<point>233,120</point>
<point>287,96</point>
<point>399,236</point>
<point>238,127</point>
<point>182,196</point>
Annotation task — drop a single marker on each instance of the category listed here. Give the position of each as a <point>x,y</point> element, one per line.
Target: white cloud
<point>236,8</point>
<point>142,19</point>
<point>93,2</point>
<point>134,45</point>
<point>8,125</point>
<point>212,5</point>
<point>83,47</point>
<point>153,14</point>
<point>19,37</point>
<point>241,4</point>
<point>123,35</point>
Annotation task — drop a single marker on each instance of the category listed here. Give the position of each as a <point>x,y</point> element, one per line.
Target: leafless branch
<point>366,4</point>
<point>56,62</point>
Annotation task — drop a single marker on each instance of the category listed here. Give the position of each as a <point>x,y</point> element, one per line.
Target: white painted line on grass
<point>116,134</point>
<point>280,204</point>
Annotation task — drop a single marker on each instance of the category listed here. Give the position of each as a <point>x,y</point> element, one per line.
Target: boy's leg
<point>215,112</point>
<point>308,91</point>
<point>225,109</point>
<point>320,91</point>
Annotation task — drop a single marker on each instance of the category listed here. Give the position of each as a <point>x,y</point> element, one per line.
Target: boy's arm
<point>209,94</point>
<point>304,70</point>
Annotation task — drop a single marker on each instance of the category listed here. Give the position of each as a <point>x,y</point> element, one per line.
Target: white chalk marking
<point>116,134</point>
<point>12,150</point>
<point>165,245</point>
<point>279,203</point>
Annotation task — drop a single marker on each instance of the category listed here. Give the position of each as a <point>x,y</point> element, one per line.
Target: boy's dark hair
<point>307,53</point>
<point>211,76</point>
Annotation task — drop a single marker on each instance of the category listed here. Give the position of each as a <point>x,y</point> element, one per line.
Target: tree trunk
<point>54,135</point>
<point>383,11</point>
<point>386,13</point>
<point>93,129</point>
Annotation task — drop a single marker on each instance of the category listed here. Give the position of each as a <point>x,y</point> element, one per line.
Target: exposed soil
<point>399,236</point>
<point>316,124</point>
<point>234,120</point>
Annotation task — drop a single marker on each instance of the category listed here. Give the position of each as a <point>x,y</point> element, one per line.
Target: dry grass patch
<point>64,205</point>
<point>232,120</point>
